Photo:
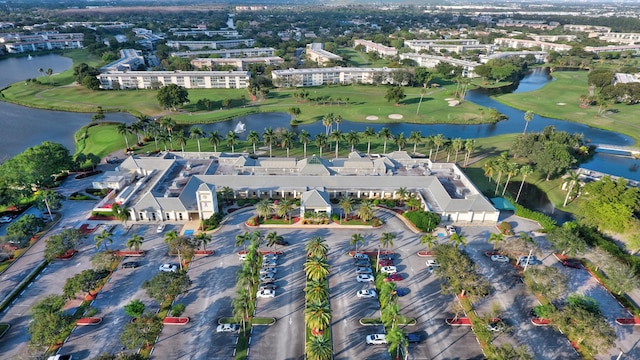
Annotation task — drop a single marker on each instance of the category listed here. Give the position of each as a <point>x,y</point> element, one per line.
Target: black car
<point>267,286</point>
<point>414,338</point>
<point>572,264</point>
<point>130,265</point>
<point>282,242</point>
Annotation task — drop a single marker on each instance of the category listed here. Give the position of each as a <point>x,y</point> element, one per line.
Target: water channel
<point>24,127</point>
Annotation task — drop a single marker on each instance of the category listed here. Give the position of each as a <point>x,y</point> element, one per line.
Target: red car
<point>386,262</point>
<point>393,277</point>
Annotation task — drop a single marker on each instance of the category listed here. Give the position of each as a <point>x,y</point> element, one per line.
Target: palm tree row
<point>502,166</point>
<point>248,277</point>
<point>282,208</point>
<point>317,314</point>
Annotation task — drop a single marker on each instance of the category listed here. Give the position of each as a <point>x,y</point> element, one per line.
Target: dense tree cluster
<point>172,95</point>
<point>610,205</point>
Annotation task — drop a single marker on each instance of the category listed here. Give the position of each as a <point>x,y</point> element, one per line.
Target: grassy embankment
<point>560,99</point>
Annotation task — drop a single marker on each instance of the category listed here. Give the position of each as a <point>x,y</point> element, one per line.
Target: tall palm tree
<point>253,138</point>
<point>401,141</point>
<point>124,130</point>
<point>197,133</point>
<point>202,239</point>
<point>241,240</point>
<point>170,237</point>
<point>456,145</point>
<point>316,291</point>
<point>389,315</point>
<point>385,134</point>
<point>402,193</point>
<point>489,169</point>
<point>327,121</point>
<point>369,133</point>
<point>365,210</point>
<point>181,139</point>
<point>231,140</point>
<point>304,138</point>
<point>355,240</point>
<point>386,240</point>
<point>273,239</point>
<point>429,240</point>
<point>287,140</point>
<point>136,128</point>
<point>438,141</point>
<point>284,207</point>
<point>103,238</point>
<point>346,204</point>
<point>268,137</point>
<point>163,136</point>
<point>337,119</point>
<point>469,145</point>
<point>397,342</point>
<point>321,141</point>
<point>528,116</point>
<point>353,139</point>
<point>512,170</point>
<point>415,137</point>
<point>336,136</point>
<point>316,269</point>
<point>134,242</point>
<point>214,139</point>
<point>458,240</point>
<point>319,348</point>
<point>316,247</point>
<point>318,315</point>
<point>573,178</point>
<point>120,212</point>
<point>264,208</point>
<point>495,239</point>
<point>525,171</point>
<point>168,124</point>
<point>500,164</point>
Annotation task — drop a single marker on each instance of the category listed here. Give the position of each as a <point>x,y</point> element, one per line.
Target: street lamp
<point>46,202</point>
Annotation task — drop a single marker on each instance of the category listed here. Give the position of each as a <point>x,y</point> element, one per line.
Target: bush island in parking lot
<point>424,220</point>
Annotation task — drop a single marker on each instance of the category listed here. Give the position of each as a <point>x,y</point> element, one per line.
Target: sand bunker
<point>561,104</point>
<point>371,117</point>
<point>395,116</point>
<point>453,102</point>
<point>449,99</point>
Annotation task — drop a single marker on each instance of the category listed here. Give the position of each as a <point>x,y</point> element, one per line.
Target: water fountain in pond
<point>240,128</point>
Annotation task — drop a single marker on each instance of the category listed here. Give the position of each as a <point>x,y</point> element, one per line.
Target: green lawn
<point>560,99</point>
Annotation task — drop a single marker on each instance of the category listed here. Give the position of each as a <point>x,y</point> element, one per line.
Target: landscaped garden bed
<point>175,320</point>
<point>124,253</point>
<point>67,255</point>
<point>89,321</point>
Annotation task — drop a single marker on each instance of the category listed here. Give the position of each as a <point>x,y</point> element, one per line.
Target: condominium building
<point>586,28</point>
<point>230,34</point>
<point>380,49</point>
<point>526,44</point>
<point>331,76</point>
<point>20,43</point>
<point>540,56</point>
<point>198,45</point>
<point>553,38</point>
<point>317,53</point>
<point>181,187</point>
<point>431,61</point>
<point>620,48</point>
<point>130,59</point>
<point>621,38</point>
<point>187,79</point>
<point>238,63</point>
<point>228,53</point>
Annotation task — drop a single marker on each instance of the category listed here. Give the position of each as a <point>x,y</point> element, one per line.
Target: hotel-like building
<point>187,79</point>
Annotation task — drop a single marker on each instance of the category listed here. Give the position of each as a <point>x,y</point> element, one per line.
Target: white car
<point>266,293</point>
<point>369,293</point>
<point>361,256</point>
<point>242,257</point>
<point>388,270</point>
<point>499,258</point>
<point>268,263</point>
<point>168,267</point>
<point>161,228</point>
<point>267,277</point>
<point>226,328</point>
<point>363,270</point>
<point>433,263</point>
<point>376,339</point>
<point>364,278</point>
<point>270,257</point>
<point>450,229</point>
<point>264,271</point>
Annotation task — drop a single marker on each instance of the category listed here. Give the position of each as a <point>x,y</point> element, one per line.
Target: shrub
<point>424,220</point>
<point>241,202</point>
<point>389,203</point>
<point>253,221</point>
<point>335,217</point>
<point>213,221</point>
<point>376,222</point>
<point>505,228</point>
<point>135,308</point>
<point>545,221</point>
<point>177,309</point>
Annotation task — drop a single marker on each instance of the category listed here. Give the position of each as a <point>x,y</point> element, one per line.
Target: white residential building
<point>540,56</point>
<point>527,44</point>
<point>370,46</point>
<point>431,61</point>
<point>620,48</point>
<point>331,76</point>
<point>229,53</point>
<point>21,43</point>
<point>239,63</point>
<point>317,54</point>
<point>198,45</point>
<point>187,79</point>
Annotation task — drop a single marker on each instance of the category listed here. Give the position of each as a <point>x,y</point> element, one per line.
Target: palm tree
<point>369,133</point>
<point>337,120</point>
<point>512,170</point>
<point>214,139</point>
<point>413,202</point>
<point>525,171</point>
<point>528,116</point>
<point>489,169</point>
<point>316,247</point>
<point>181,139</point>
<point>273,239</point>
<point>385,134</point>
<point>120,212</point>
<point>346,204</point>
<point>231,139</point>
<point>355,240</point>
<point>336,136</point>
<point>268,137</point>
<point>321,141</point>
<point>456,145</point>
<point>253,138</point>
<point>287,140</point>
<point>468,147</point>
<point>495,239</point>
<point>365,211</point>
<point>102,238</point>
<point>316,269</point>
<point>134,242</point>
<point>402,193</point>
<point>318,315</point>
<point>284,207</point>
<point>304,137</point>
<point>438,141</point>
<point>264,209</point>
<point>429,240</point>
<point>316,291</point>
<point>136,128</point>
<point>415,137</point>
<point>386,240</point>
<point>458,240</point>
<point>241,240</point>
<point>573,177</point>
<point>389,315</point>
<point>202,239</point>
<point>168,124</point>
<point>196,132</point>
<point>153,129</point>
<point>353,139</point>
<point>124,130</point>
<point>401,141</point>
<point>319,348</point>
<point>327,121</point>
<point>397,342</point>
<point>500,164</point>
<point>163,136</point>
<point>170,237</point>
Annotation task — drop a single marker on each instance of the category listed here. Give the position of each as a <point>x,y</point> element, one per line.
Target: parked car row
<point>267,287</point>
